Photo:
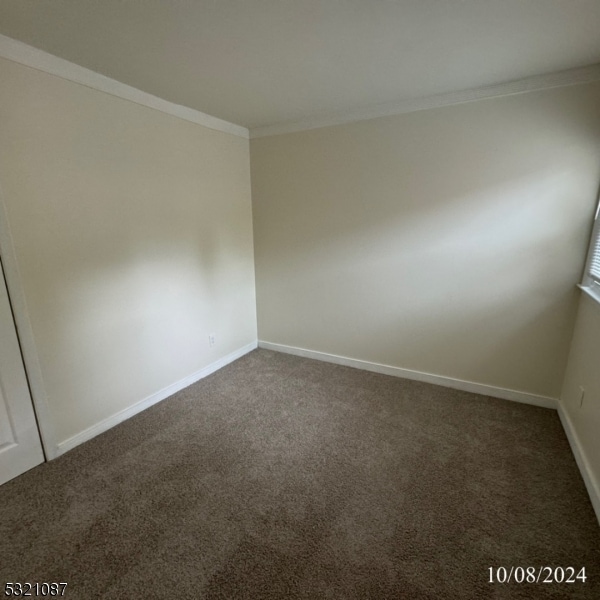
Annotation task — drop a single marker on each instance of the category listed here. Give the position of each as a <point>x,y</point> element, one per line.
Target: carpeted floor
<point>280,477</point>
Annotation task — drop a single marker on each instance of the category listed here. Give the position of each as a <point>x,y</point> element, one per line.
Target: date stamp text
<point>536,575</point>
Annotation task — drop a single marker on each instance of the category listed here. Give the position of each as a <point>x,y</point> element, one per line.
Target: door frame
<point>25,335</point>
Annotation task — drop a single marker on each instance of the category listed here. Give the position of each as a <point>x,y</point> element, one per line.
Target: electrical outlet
<point>212,339</point>
<point>581,395</point>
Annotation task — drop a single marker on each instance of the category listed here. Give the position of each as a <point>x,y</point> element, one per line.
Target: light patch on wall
<point>447,241</point>
<point>450,270</point>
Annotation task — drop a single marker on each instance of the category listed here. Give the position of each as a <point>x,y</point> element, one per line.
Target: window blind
<point>594,268</point>
<point>591,276</point>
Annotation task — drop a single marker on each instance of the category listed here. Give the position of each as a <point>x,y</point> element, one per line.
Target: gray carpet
<point>280,477</point>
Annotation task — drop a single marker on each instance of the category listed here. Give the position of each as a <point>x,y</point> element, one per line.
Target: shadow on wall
<point>135,318</point>
<point>490,275</point>
<point>133,235</point>
<point>449,246</point>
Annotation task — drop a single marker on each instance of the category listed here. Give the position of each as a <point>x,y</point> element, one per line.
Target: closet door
<point>20,445</point>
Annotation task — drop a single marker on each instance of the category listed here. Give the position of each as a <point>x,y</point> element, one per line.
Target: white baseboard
<point>123,415</point>
<point>457,384</point>
<point>591,483</point>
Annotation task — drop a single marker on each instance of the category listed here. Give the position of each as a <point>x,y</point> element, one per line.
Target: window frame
<point>589,284</point>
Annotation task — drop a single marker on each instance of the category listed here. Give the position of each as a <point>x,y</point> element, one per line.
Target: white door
<point>20,445</point>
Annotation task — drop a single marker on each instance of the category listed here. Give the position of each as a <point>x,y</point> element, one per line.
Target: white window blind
<point>594,261</point>
<point>591,276</point>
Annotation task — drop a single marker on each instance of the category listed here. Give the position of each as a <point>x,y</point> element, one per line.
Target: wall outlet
<point>212,339</point>
<point>581,395</point>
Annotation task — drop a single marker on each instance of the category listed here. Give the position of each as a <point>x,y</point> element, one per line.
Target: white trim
<point>29,56</point>
<point>25,334</point>
<point>589,292</point>
<point>530,84</point>
<point>450,382</point>
<point>123,415</point>
<point>591,483</point>
<point>42,61</point>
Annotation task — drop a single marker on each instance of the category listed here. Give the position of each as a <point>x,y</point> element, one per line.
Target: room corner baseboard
<point>123,415</point>
<point>450,382</point>
<point>591,483</point>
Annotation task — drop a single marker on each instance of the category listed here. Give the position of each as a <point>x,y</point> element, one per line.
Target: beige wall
<point>447,241</point>
<point>133,237</point>
<point>583,371</point>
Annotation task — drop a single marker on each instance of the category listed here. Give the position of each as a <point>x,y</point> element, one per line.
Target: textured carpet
<point>280,477</point>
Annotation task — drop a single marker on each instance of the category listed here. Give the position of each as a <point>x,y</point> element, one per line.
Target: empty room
<point>300,299</point>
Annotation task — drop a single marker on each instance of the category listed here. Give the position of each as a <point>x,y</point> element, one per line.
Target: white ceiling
<point>264,62</point>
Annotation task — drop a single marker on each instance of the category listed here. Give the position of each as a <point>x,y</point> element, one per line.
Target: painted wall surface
<point>133,237</point>
<point>447,241</point>
<point>582,371</point>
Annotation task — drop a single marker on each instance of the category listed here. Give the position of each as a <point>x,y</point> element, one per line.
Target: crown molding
<point>29,56</point>
<point>530,84</point>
